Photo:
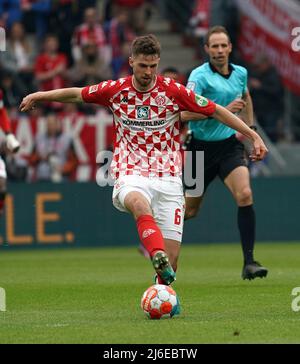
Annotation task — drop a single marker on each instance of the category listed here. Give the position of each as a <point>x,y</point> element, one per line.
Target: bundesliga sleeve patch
<point>201,101</point>
<point>93,89</point>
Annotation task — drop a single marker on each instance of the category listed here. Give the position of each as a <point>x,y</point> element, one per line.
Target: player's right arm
<point>98,94</point>
<point>65,95</point>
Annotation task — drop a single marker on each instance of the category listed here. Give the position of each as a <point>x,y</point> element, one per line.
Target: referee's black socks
<point>246,224</point>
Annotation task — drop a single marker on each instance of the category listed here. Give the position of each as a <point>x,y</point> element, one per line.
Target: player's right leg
<point>173,250</point>
<point>150,234</point>
<point>168,209</point>
<point>133,194</point>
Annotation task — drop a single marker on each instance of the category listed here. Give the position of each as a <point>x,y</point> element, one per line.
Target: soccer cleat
<point>163,267</point>
<point>253,270</point>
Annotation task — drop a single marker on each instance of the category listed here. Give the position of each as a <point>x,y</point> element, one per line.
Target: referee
<point>224,156</point>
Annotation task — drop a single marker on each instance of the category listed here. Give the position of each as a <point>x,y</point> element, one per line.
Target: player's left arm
<point>191,105</point>
<point>188,100</point>
<point>246,114</point>
<point>228,118</point>
<point>191,116</point>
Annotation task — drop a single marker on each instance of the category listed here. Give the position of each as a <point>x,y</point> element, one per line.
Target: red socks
<point>150,234</point>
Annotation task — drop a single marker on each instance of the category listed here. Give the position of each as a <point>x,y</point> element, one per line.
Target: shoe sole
<point>163,268</point>
<point>259,274</point>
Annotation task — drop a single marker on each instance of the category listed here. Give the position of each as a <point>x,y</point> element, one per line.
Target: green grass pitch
<point>93,296</point>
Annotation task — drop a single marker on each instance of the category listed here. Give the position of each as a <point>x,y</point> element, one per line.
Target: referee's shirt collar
<point>230,67</point>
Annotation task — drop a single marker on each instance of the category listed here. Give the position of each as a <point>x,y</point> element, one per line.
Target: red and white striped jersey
<point>146,124</point>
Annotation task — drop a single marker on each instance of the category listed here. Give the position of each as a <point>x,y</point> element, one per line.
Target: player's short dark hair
<point>214,30</point>
<point>147,45</point>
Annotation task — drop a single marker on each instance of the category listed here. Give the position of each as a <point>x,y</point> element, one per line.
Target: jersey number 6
<point>177,219</point>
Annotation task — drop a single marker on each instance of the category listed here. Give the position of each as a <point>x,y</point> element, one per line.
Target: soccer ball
<point>159,301</point>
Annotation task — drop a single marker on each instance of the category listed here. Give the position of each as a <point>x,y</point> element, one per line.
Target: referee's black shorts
<point>220,157</point>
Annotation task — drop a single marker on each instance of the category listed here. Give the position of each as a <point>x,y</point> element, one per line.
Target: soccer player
<point>146,162</point>
<point>174,74</point>
<point>226,84</point>
<point>11,144</point>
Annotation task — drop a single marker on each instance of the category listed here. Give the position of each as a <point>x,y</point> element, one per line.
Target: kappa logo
<point>124,100</point>
<point>93,89</point>
<point>201,101</point>
<point>147,233</point>
<point>167,81</point>
<point>143,112</point>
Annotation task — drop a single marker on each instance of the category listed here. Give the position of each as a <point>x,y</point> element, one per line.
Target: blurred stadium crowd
<point>64,43</point>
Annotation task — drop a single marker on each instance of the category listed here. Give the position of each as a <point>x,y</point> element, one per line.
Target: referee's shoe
<point>253,270</point>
